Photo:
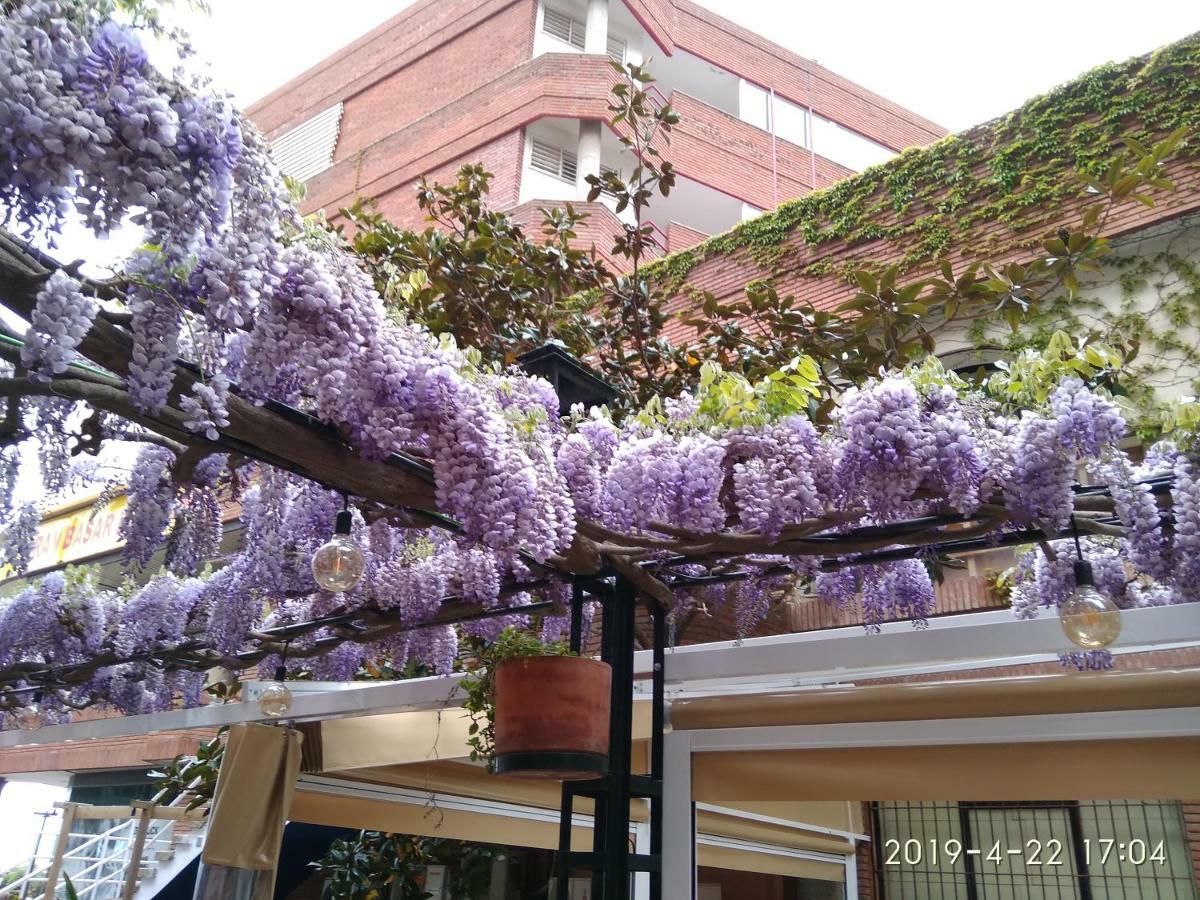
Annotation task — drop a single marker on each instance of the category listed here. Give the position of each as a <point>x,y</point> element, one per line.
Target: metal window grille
<point>308,148</point>
<point>616,49</point>
<point>553,160</point>
<point>567,29</point>
<point>1064,850</point>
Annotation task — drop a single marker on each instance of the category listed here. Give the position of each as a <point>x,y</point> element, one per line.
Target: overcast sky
<point>958,62</point>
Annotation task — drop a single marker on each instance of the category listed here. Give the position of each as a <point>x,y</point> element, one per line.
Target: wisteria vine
<point>236,308</point>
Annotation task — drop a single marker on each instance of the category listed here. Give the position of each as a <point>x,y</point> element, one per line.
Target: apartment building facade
<point>522,87</point>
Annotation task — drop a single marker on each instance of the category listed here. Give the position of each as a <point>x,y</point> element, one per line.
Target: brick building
<point>522,87</point>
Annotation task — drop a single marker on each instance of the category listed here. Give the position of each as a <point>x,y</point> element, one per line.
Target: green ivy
<point>1012,170</point>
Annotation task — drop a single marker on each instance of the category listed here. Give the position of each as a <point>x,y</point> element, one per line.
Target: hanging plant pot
<point>551,718</point>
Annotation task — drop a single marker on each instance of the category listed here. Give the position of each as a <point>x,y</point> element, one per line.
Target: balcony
<point>598,230</point>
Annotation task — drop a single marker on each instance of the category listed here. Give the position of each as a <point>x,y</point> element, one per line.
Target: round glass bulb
<point>1090,619</point>
<point>30,718</point>
<point>275,699</point>
<point>339,564</point>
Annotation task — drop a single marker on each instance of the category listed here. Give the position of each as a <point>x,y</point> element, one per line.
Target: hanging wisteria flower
<point>1146,545</point>
<point>1038,488</point>
<point>1087,423</point>
<point>151,504</point>
<point>1185,505</point>
<point>60,320</point>
<point>881,462</point>
<point>18,540</point>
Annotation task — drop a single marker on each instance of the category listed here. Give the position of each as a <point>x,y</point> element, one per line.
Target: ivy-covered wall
<point>1147,298</point>
<point>951,194</point>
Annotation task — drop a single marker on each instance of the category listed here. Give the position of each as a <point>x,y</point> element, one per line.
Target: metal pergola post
<point>610,859</point>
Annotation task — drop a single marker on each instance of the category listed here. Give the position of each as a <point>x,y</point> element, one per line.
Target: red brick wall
<point>596,232</point>
<point>501,157</point>
<point>720,150</point>
<point>445,78</point>
<point>658,18</point>
<point>569,85</point>
<point>469,60</point>
<point>381,53</point>
<point>680,237</point>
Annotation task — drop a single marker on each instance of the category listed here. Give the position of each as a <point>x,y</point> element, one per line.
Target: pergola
<point>767,739</point>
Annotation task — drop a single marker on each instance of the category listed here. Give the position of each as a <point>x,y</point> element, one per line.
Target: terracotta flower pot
<point>552,717</point>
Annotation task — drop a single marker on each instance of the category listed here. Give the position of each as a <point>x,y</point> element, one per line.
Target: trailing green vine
<point>1013,170</point>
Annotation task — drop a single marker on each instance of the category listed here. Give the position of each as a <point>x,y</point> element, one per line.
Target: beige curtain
<point>252,802</point>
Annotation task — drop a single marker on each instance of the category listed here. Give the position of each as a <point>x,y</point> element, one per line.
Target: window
<point>753,105</point>
<point>847,147</point>
<point>772,113</point>
<point>553,160</point>
<point>1052,850</point>
<point>308,148</point>
<point>616,49</point>
<point>791,121</point>
<point>604,170</point>
<point>568,30</point>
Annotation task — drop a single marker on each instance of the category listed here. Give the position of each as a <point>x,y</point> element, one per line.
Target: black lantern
<point>572,381</point>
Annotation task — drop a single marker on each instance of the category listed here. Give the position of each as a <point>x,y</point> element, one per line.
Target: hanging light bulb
<point>275,699</point>
<point>31,717</point>
<point>1088,618</point>
<point>339,564</point>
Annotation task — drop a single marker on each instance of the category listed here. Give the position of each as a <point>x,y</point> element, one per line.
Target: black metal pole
<point>616,799</point>
<point>576,617</point>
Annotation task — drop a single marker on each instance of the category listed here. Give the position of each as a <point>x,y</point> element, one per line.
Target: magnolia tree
<point>244,356</point>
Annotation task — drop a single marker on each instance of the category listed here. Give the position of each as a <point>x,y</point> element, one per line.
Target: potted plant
<point>538,711</point>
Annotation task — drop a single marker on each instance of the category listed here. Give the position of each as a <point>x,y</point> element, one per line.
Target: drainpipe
<point>812,149</point>
<point>774,148</point>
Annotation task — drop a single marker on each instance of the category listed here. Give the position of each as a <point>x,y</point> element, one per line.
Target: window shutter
<point>553,160</point>
<point>558,24</point>
<point>616,49</point>
<point>308,148</point>
<point>570,167</point>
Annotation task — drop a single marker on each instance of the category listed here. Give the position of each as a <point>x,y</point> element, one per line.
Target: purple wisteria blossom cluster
<point>271,309</point>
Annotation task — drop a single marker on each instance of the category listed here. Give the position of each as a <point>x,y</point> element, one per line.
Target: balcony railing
<point>112,864</point>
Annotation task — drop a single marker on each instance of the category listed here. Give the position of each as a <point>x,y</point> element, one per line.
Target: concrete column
<point>587,157</point>
<point>596,38</point>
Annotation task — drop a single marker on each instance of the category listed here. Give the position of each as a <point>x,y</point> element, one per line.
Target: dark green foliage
<point>378,866</point>
<point>195,775</point>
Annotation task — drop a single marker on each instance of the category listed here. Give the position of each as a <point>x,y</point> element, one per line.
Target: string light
<point>1088,618</point>
<point>338,565</point>
<point>276,699</point>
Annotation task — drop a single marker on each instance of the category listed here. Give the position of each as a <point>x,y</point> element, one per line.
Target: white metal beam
<point>836,655</point>
<point>1142,723</point>
<point>361,699</point>
<point>782,823</point>
<point>989,638</point>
